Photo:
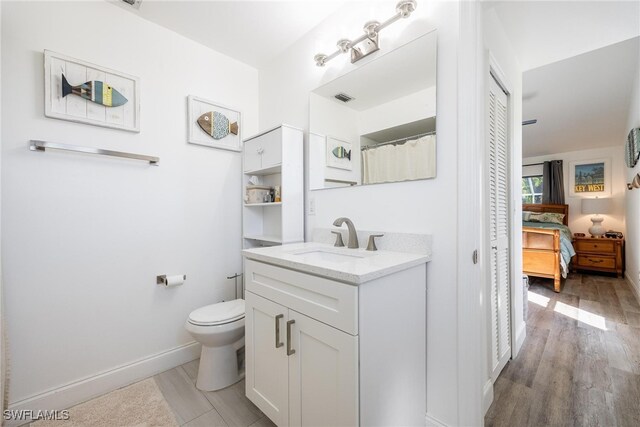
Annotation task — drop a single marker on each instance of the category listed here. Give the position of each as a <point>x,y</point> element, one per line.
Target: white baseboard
<point>434,422</point>
<point>634,286</point>
<point>521,334</point>
<point>71,394</point>
<point>487,396</point>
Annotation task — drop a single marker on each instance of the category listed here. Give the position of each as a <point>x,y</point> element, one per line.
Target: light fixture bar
<point>404,8</point>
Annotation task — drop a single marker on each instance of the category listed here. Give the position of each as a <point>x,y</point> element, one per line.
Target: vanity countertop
<point>353,266</point>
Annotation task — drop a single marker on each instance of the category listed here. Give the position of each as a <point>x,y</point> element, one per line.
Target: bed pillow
<point>526,215</point>
<point>554,218</point>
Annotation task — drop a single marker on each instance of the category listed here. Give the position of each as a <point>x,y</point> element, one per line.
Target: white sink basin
<point>328,255</point>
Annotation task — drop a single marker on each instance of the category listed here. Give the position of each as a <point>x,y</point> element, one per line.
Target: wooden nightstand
<point>599,254</point>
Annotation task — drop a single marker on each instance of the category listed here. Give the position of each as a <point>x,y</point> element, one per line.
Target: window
<point>532,189</point>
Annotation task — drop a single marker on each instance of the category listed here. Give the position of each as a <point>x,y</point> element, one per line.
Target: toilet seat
<point>218,314</point>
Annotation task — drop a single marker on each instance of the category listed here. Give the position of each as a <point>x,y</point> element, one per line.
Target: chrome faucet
<point>353,235</point>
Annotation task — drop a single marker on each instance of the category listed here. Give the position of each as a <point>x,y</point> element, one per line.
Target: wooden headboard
<point>562,209</point>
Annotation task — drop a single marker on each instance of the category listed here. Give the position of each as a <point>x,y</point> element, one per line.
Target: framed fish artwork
<point>213,125</point>
<point>79,91</point>
<point>339,154</point>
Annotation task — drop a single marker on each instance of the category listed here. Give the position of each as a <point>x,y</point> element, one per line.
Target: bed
<point>546,247</point>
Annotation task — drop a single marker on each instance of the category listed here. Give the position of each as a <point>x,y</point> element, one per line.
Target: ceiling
<point>579,60</point>
<point>414,68</point>
<point>581,102</point>
<point>253,32</point>
<point>543,32</point>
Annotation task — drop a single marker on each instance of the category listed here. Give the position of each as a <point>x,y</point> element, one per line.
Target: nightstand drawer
<point>596,245</point>
<point>596,261</point>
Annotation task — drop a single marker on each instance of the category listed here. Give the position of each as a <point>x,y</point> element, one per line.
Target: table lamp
<point>596,207</point>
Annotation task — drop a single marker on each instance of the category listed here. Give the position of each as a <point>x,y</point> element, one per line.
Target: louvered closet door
<point>498,169</point>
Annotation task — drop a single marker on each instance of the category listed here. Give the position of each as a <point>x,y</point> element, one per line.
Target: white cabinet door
<point>498,177</point>
<point>323,374</point>
<point>266,358</point>
<point>253,155</point>
<point>271,144</point>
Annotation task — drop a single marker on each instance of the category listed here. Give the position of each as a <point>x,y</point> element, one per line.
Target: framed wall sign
<point>590,178</point>
<point>82,92</point>
<point>213,125</point>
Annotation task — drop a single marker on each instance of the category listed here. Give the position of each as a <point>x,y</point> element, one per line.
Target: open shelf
<point>264,238</point>
<point>266,171</point>
<point>247,205</point>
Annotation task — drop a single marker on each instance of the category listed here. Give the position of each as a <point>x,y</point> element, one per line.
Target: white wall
<point>340,122</point>
<point>632,207</point>
<point>503,57</point>
<point>579,223</point>
<point>406,109</point>
<point>3,364</point>
<point>427,206</point>
<point>84,237</point>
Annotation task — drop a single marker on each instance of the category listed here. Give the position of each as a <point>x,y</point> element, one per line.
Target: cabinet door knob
<point>278,343</point>
<point>260,150</point>
<point>290,351</point>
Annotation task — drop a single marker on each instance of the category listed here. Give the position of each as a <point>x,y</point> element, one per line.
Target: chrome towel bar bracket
<point>36,145</point>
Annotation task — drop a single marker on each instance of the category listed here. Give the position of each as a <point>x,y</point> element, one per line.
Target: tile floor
<point>195,408</point>
<point>580,362</point>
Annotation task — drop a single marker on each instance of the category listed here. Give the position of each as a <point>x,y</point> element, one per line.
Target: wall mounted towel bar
<point>36,145</point>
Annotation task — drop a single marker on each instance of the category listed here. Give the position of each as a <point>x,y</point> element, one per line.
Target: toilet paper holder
<point>162,279</point>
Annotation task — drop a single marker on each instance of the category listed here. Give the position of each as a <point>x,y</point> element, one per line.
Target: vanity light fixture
<point>367,43</point>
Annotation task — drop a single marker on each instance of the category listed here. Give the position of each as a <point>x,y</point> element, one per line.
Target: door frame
<point>469,291</point>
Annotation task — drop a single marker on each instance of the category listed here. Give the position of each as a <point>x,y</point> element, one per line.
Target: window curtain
<point>414,159</point>
<point>553,183</point>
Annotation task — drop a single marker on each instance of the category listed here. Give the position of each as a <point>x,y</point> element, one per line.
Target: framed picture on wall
<point>339,154</point>
<point>213,125</point>
<point>590,178</point>
<point>82,92</point>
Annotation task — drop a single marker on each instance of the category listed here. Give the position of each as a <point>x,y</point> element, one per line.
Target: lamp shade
<point>597,206</point>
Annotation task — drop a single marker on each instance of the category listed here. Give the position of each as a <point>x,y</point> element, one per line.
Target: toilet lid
<point>218,314</point>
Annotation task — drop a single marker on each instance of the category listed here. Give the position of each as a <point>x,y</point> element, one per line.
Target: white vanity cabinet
<point>321,352</point>
<point>312,375</point>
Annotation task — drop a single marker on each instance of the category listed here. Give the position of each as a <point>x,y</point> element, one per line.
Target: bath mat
<point>141,404</point>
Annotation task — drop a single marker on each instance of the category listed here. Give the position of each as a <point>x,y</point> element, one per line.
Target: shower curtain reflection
<point>415,159</point>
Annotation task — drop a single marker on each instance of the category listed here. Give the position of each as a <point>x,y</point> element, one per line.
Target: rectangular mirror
<point>377,123</point>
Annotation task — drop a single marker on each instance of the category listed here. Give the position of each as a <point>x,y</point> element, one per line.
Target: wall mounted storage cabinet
<point>274,159</point>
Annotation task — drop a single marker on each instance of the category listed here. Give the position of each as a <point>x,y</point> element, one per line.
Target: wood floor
<point>580,362</point>
<point>195,408</point>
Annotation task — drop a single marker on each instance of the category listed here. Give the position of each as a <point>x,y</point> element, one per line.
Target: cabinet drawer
<point>597,245</point>
<point>596,261</point>
<point>330,302</point>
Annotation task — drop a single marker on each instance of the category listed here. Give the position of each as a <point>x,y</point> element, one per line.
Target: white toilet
<point>220,330</point>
